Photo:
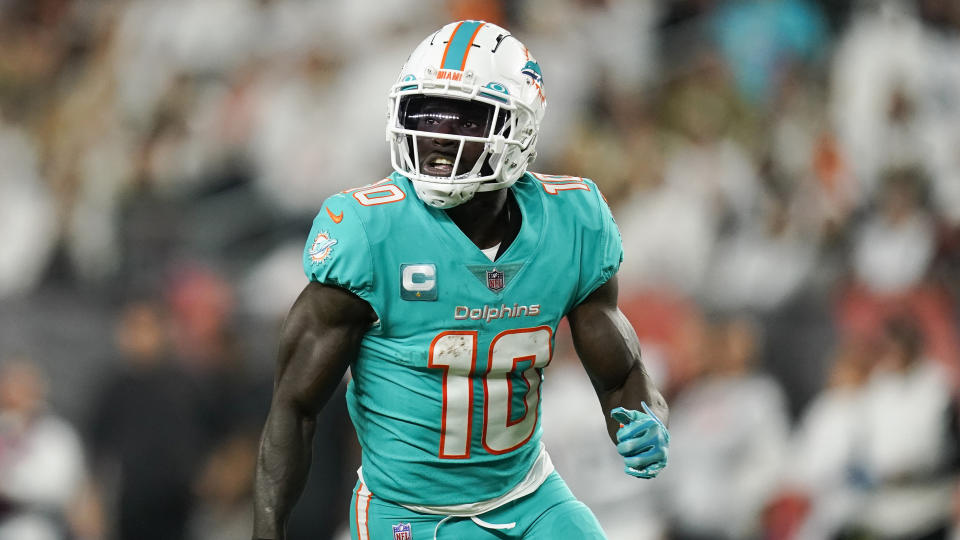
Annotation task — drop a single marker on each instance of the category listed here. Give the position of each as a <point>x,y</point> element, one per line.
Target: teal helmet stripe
<point>459,45</point>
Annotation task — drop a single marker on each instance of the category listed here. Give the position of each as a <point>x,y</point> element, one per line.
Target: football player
<point>441,287</point>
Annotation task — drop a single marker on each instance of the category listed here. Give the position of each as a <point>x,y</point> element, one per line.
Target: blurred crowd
<point>785,174</point>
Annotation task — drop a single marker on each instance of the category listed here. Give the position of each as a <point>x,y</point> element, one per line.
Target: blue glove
<point>642,441</point>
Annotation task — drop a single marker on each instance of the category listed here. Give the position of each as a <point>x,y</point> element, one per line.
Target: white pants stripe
<point>363,506</point>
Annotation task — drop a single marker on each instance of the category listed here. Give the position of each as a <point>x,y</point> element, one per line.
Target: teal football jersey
<point>445,392</point>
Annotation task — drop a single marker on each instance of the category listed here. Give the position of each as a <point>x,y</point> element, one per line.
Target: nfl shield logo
<point>402,532</point>
<point>495,280</point>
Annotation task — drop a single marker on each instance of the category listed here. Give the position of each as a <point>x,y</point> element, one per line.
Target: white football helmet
<point>482,63</point>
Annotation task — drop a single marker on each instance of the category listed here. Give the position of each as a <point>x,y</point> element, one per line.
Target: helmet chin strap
<point>445,197</point>
<point>445,193</point>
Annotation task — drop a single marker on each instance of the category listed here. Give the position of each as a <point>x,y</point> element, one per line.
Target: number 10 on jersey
<point>513,355</point>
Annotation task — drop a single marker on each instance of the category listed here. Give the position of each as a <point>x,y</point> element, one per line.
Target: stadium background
<point>786,175</point>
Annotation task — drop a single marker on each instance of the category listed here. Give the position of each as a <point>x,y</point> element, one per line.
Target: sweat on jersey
<point>445,391</point>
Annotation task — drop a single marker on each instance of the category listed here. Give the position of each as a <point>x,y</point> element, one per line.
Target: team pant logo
<point>401,531</point>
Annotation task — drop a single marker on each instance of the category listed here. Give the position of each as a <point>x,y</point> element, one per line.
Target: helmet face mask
<point>447,138</point>
<point>465,121</point>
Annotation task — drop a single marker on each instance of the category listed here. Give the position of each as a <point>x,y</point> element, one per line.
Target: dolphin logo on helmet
<point>532,69</point>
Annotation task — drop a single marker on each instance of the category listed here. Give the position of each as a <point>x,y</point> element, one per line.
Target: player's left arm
<point>635,411</point>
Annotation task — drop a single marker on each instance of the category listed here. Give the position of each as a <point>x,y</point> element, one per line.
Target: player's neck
<point>488,219</point>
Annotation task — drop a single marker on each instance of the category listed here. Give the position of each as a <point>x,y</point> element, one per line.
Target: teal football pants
<point>550,513</point>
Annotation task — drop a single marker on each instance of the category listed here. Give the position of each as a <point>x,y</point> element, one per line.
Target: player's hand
<point>642,441</point>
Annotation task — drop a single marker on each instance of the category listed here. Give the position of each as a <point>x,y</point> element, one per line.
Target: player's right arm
<point>320,338</point>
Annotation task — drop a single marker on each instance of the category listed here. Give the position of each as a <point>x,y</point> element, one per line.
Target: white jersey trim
<point>542,468</point>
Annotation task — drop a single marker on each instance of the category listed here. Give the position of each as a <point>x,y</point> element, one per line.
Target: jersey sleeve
<point>602,250</point>
<point>337,251</point>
